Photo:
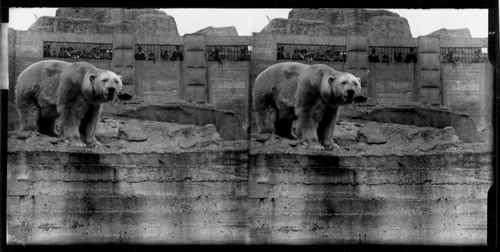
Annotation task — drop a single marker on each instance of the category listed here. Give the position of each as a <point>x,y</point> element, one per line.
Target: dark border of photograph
<point>493,237</point>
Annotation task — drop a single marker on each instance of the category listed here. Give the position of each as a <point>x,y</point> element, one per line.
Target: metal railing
<point>465,55</point>
<point>228,53</point>
<point>152,52</point>
<point>77,50</point>
<point>391,54</point>
<point>302,52</point>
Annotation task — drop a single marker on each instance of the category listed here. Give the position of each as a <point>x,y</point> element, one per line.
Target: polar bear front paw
<point>330,145</point>
<point>93,144</point>
<point>75,143</point>
<point>315,146</point>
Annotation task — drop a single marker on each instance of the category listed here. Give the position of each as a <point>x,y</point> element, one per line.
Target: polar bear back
<point>281,79</point>
<point>40,80</point>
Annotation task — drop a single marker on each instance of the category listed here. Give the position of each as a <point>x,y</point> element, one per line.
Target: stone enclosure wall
<point>228,86</point>
<point>233,197</point>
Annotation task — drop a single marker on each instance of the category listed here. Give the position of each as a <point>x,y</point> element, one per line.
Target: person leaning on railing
<point>139,55</point>
<point>411,57</point>
<point>398,57</point>
<point>164,55</point>
<point>177,54</point>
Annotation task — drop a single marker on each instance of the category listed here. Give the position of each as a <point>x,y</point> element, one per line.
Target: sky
<point>247,21</point>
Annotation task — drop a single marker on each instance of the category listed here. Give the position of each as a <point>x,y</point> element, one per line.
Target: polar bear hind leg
<point>47,120</point>
<point>29,112</point>
<point>266,119</point>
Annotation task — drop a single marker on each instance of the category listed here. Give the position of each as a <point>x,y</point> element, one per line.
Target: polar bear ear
<point>326,87</point>
<point>119,76</point>
<point>331,79</point>
<point>359,79</point>
<point>92,77</point>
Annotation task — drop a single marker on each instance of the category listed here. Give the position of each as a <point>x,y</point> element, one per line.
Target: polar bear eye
<point>344,82</point>
<point>105,80</point>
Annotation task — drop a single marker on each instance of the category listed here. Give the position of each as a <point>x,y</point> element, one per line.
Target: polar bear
<point>296,100</point>
<point>70,92</point>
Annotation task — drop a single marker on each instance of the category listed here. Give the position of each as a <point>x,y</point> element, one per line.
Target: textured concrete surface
<point>257,196</point>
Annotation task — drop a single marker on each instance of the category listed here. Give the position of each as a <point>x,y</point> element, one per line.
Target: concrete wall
<point>392,83</point>
<point>428,87</point>
<point>67,198</point>
<point>158,81</point>
<point>228,87</point>
<point>464,89</point>
<point>468,87</point>
<point>216,197</point>
<point>392,200</point>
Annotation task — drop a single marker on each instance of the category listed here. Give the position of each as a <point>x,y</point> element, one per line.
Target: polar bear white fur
<point>70,92</point>
<point>302,101</point>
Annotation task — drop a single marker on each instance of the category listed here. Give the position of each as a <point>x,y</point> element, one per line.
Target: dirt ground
<point>126,135</point>
<point>375,139</point>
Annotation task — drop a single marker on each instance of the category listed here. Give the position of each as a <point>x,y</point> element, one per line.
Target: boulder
<point>108,20</point>
<point>227,123</point>
<point>341,22</point>
<point>371,134</point>
<point>295,26</point>
<point>345,133</point>
<point>132,132</point>
<point>218,31</point>
<point>107,128</point>
<point>451,33</point>
<point>421,116</point>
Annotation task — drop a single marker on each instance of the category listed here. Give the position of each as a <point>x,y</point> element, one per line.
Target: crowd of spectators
<point>165,55</point>
<point>304,55</point>
<point>228,53</point>
<point>455,56</point>
<point>410,57</point>
<point>79,52</point>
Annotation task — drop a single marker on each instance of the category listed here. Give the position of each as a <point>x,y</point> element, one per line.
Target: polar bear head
<point>340,88</point>
<point>104,85</point>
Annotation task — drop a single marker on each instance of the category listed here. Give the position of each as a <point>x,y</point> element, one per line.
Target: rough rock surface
<point>451,33</point>
<point>418,115</point>
<point>373,138</point>
<point>341,22</point>
<point>108,20</point>
<point>371,135</point>
<point>172,137</point>
<point>218,31</point>
<point>132,132</point>
<point>226,122</point>
<point>133,136</point>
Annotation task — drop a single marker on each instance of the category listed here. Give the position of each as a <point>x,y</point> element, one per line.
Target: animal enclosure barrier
<point>77,50</point>
<point>303,52</point>
<point>154,52</point>
<point>393,54</point>
<point>465,55</point>
<point>228,52</point>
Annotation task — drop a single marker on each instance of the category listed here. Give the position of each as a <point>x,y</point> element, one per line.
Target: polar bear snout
<point>110,93</point>
<point>350,93</point>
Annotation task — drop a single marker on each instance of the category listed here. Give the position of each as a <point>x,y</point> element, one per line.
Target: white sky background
<point>246,21</point>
